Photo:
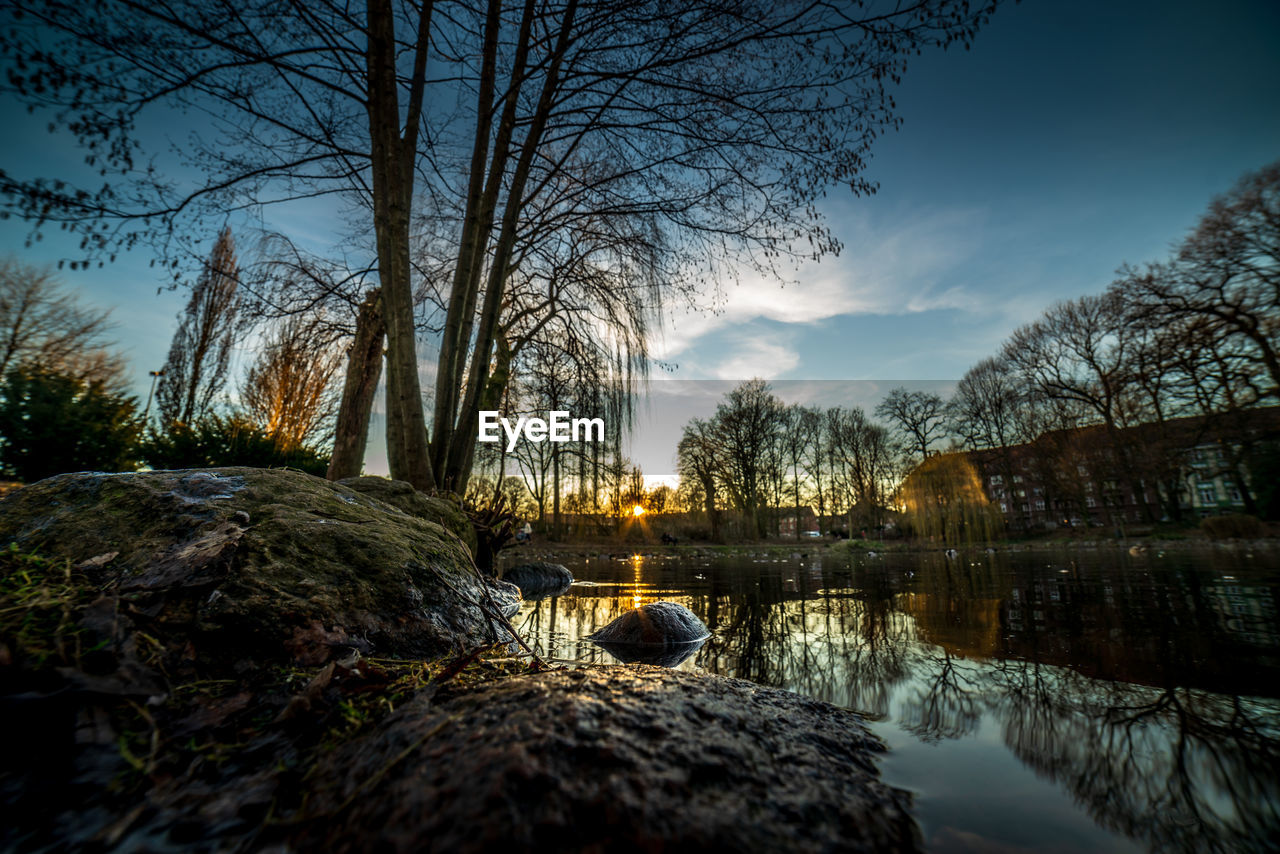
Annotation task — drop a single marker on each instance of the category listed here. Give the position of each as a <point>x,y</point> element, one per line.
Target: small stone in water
<point>659,623</point>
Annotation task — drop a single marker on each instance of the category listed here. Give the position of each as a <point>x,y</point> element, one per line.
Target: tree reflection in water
<point>1146,688</point>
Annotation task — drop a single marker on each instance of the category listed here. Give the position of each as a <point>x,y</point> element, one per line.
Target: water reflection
<point>1144,688</point>
<point>671,655</point>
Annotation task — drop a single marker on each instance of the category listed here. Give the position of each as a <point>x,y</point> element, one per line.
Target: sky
<point>1073,138</point>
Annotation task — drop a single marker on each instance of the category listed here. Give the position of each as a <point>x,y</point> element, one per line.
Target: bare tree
<point>196,369</point>
<point>1228,270</point>
<point>44,326</point>
<point>698,459</point>
<point>290,391</point>
<point>920,415</point>
<point>1082,352</point>
<point>799,433</point>
<point>745,424</point>
<point>862,463</point>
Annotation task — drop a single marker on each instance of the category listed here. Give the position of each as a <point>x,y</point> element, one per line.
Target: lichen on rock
<point>401,495</point>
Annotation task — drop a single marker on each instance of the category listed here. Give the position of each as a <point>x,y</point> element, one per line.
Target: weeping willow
<point>945,501</point>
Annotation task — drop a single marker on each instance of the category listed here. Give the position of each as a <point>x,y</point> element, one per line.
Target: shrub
<point>52,423</point>
<point>226,441</point>
<point>1233,526</point>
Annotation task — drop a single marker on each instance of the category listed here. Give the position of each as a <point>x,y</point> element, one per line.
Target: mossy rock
<point>402,495</point>
<point>261,562</point>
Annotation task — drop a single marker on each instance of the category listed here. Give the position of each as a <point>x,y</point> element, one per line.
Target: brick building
<point>1184,468</point>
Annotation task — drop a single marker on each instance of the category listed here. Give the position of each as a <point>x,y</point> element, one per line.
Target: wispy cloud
<point>897,267</point>
<point>756,355</point>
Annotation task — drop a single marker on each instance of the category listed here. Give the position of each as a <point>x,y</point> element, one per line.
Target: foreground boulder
<point>539,580</point>
<point>611,759</point>
<point>268,563</point>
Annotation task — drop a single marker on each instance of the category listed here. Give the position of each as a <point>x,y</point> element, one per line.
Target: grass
<point>39,600</point>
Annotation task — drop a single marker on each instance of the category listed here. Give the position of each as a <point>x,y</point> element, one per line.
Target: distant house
<point>1182,468</point>
<point>786,517</point>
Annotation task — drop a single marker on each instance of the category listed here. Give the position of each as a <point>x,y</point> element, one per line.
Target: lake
<point>1050,701</point>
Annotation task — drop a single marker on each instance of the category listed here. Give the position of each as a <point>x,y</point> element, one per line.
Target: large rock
<point>402,495</point>
<point>618,759</point>
<point>260,562</point>
<point>539,580</point>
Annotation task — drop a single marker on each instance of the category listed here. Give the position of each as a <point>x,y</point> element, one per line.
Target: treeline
<point>64,401</point>
<point>569,488</point>
<point>756,456</point>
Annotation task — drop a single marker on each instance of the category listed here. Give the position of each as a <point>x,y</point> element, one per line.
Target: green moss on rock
<point>262,560</point>
<point>402,495</point>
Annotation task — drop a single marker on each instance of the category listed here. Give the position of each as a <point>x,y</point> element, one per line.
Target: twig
<point>491,612</point>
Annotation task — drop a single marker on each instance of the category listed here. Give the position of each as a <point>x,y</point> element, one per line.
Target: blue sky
<point>1072,138</point>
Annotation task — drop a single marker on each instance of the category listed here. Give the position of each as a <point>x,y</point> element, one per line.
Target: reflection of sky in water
<point>1066,702</point>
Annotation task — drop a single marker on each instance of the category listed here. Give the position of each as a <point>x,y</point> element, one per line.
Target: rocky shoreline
<point>244,660</point>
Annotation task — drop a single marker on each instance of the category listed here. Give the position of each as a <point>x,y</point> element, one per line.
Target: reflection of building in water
<point>1119,626</point>
<point>1248,612</point>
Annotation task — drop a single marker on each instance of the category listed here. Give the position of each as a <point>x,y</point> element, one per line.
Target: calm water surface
<point>1081,701</point>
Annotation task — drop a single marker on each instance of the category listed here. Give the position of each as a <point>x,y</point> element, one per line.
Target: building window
<point>1208,495</point>
<point>996,479</point>
<point>1022,493</point>
<point>1004,508</point>
<point>1026,508</point>
<point>1017,478</point>
<point>1040,504</point>
<point>1089,502</point>
<point>1233,492</point>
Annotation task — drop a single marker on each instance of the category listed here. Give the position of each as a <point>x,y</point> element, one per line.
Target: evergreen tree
<point>52,422</point>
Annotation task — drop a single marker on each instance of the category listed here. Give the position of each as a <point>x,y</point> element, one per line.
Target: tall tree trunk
<point>457,328</point>
<point>364,367</point>
<point>454,474</point>
<point>482,201</point>
<point>392,172</point>
<point>555,492</point>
